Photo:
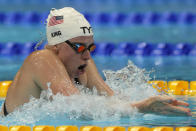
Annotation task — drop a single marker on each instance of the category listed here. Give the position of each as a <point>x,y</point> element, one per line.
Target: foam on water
<point>129,84</point>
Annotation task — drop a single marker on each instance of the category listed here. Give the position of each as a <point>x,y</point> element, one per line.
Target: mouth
<point>81,69</point>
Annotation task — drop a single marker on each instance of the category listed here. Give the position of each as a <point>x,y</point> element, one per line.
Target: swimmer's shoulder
<point>40,57</point>
<point>41,53</point>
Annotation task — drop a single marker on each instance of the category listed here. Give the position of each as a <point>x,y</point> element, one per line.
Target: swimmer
<point>66,60</point>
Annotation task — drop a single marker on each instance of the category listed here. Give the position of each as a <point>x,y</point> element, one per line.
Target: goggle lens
<point>92,48</point>
<point>81,49</point>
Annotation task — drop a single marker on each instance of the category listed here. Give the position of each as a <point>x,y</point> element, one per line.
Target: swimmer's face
<point>75,62</point>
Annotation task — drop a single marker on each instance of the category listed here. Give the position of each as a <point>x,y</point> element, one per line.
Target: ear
<point>56,49</point>
<point>53,48</point>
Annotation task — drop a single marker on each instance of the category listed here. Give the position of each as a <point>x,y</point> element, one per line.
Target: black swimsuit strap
<point>77,81</point>
<point>5,110</point>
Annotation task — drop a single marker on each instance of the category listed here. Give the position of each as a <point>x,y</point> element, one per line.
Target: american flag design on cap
<point>55,20</point>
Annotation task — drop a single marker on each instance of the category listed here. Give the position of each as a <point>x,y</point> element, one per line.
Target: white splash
<point>48,84</point>
<point>129,84</point>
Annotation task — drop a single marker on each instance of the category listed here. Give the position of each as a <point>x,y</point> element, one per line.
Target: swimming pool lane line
<point>93,128</point>
<point>112,49</point>
<point>33,18</point>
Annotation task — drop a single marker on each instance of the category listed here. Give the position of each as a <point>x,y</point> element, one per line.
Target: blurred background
<point>157,35</point>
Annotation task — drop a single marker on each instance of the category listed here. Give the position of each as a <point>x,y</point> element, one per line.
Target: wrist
<point>139,105</point>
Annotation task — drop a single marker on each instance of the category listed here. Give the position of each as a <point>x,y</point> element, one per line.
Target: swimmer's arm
<point>95,80</point>
<point>163,105</point>
<point>49,73</point>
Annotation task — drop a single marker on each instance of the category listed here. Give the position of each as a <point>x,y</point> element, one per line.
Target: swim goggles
<point>80,47</point>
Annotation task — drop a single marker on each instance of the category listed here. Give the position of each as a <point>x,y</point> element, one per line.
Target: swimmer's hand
<point>163,105</point>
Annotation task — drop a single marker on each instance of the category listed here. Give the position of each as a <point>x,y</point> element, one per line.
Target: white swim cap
<point>64,24</point>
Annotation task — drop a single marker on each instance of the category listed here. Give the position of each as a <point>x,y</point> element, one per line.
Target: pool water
<point>82,110</point>
<point>137,119</point>
<point>110,33</point>
<point>161,68</point>
<point>90,109</point>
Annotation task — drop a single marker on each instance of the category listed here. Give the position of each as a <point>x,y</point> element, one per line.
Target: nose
<point>86,55</point>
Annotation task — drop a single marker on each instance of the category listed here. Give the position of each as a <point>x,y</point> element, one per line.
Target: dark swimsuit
<point>4,106</point>
<point>77,81</point>
<point>5,110</point>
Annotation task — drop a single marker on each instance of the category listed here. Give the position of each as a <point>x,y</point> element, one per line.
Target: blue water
<point>161,68</point>
<point>83,110</point>
<point>148,120</point>
<point>101,5</point>
<point>132,33</point>
<point>164,68</point>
